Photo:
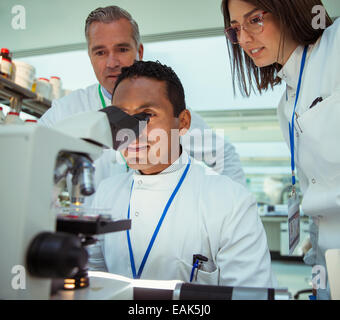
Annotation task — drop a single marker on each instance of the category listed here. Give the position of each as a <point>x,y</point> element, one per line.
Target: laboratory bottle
<point>43,87</point>
<point>56,87</point>
<point>5,63</point>
<point>2,116</point>
<point>13,117</point>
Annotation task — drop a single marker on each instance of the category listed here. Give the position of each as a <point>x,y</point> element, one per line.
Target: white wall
<point>56,23</point>
<point>51,23</point>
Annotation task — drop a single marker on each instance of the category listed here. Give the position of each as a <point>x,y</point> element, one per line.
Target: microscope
<point>38,244</point>
<point>43,250</point>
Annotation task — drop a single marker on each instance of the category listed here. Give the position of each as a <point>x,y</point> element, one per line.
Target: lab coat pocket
<point>203,276</point>
<point>318,150</point>
<point>318,156</point>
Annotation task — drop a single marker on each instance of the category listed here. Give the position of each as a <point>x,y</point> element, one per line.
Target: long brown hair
<point>295,19</point>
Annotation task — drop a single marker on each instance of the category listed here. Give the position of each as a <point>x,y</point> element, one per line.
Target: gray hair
<point>111,14</point>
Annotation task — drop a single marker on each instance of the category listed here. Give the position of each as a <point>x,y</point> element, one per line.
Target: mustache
<point>117,69</point>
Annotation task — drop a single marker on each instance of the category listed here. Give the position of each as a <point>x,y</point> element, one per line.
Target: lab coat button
<point>140,182</point>
<point>136,213</point>
<point>313,181</point>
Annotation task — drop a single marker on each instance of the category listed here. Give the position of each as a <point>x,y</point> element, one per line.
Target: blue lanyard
<point>291,125</point>
<point>132,260</point>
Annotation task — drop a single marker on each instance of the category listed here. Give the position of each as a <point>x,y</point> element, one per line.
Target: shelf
<point>22,99</point>
<point>280,218</point>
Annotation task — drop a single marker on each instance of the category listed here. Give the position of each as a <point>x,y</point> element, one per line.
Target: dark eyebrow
<point>119,45</point>
<point>124,44</point>
<point>246,15</point>
<point>145,106</point>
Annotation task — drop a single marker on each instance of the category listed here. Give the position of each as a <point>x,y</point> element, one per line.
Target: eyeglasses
<point>253,25</point>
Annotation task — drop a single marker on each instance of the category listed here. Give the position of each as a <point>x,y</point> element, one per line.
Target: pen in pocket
<point>315,102</point>
<point>197,264</point>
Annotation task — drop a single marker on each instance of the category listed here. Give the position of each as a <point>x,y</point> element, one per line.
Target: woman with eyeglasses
<point>296,42</point>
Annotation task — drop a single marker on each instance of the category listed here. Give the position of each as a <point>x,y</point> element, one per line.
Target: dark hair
<point>294,18</point>
<point>161,72</point>
<point>112,14</point>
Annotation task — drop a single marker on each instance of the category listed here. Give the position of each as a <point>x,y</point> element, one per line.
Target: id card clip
<point>293,220</point>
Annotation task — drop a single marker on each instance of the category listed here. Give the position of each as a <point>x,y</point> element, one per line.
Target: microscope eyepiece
<point>124,127</point>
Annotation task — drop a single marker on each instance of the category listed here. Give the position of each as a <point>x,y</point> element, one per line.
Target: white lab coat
<point>210,215</point>
<point>220,154</point>
<point>317,136</point>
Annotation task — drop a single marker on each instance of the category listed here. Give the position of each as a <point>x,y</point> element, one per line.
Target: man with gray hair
<point>113,40</point>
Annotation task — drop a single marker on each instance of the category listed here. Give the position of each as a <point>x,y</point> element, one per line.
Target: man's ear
<point>140,53</point>
<point>184,122</point>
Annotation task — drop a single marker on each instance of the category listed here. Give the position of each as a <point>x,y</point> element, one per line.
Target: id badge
<point>293,221</point>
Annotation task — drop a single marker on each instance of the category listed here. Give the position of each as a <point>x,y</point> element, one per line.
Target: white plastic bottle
<point>2,116</point>
<point>56,87</point>
<point>13,117</point>
<point>43,88</point>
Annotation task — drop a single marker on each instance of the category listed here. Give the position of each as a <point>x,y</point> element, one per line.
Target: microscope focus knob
<point>55,255</point>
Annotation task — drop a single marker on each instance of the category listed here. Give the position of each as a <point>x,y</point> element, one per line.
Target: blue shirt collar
<point>106,93</point>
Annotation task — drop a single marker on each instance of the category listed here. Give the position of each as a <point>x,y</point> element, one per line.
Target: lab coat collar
<point>290,71</point>
<point>164,179</point>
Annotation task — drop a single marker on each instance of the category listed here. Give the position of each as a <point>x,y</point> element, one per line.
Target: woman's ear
<point>184,122</point>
